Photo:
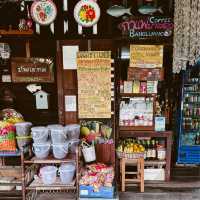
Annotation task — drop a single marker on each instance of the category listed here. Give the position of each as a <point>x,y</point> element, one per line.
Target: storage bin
<point>66,172</point>
<point>73,145</point>
<point>48,174</point>
<point>39,134</point>
<point>60,150</point>
<point>41,150</point>
<point>23,140</point>
<point>58,135</point>
<point>89,192</point>
<point>154,174</point>
<point>23,128</point>
<point>72,131</point>
<point>89,154</point>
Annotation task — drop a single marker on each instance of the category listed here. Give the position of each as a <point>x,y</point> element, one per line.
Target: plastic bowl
<point>60,150</point>
<point>39,134</point>
<point>41,151</point>
<point>72,131</point>
<point>48,174</point>
<point>23,128</point>
<point>66,172</point>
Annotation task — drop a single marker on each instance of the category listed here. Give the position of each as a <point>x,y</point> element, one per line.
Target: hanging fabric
<point>186,34</point>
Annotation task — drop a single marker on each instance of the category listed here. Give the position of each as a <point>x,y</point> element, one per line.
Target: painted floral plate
<point>87,13</point>
<point>43,12</point>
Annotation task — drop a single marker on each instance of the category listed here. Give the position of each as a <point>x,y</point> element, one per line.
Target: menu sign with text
<point>146,56</point>
<point>94,84</point>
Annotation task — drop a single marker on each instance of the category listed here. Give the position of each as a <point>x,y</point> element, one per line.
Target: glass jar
<point>161,153</point>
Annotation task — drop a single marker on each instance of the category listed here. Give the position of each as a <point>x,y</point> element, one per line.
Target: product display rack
<point>189,117</point>
<point>32,185</point>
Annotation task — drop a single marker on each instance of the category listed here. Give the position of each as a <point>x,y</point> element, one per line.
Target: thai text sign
<point>146,56</point>
<point>147,27</point>
<point>32,70</point>
<point>94,84</point>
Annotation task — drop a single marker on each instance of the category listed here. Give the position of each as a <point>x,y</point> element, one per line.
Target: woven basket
<point>129,155</point>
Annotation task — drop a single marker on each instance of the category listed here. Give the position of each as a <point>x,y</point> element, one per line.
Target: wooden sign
<point>146,56</point>
<point>94,84</point>
<point>145,74</point>
<point>145,27</point>
<point>32,70</point>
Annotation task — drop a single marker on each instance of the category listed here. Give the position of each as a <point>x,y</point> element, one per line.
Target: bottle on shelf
<point>148,150</point>
<point>153,150</point>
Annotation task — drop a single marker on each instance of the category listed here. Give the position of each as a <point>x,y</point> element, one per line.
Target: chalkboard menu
<point>32,70</point>
<point>94,84</point>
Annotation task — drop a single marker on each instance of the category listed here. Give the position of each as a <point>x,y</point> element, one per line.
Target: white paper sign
<point>70,103</point>
<point>69,57</point>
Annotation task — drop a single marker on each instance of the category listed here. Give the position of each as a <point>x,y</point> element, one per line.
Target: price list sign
<point>146,56</point>
<point>94,84</point>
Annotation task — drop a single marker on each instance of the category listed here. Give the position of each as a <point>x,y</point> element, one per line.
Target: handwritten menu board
<point>94,84</point>
<point>146,56</point>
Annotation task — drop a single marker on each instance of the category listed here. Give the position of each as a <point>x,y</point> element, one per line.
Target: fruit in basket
<point>84,131</point>
<point>130,147</point>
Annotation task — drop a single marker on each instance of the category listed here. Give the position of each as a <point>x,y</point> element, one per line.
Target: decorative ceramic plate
<point>43,12</point>
<point>87,13</point>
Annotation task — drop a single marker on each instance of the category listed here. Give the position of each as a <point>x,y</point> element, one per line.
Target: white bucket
<point>41,151</point>
<point>60,150</point>
<point>23,128</point>
<point>72,131</point>
<point>48,174</point>
<point>73,145</point>
<point>66,172</point>
<point>89,154</point>
<point>39,134</point>
<point>58,135</point>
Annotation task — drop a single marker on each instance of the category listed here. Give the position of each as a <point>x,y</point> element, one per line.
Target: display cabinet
<point>189,117</point>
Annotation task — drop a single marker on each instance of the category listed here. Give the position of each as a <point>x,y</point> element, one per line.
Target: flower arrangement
<point>87,13</point>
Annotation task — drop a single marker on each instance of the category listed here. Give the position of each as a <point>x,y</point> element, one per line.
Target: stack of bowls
<point>23,133</point>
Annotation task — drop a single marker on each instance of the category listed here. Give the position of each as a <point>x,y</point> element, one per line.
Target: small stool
<point>139,163</point>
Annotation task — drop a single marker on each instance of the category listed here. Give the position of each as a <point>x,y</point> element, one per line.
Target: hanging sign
<point>87,13</point>
<point>147,27</point>
<point>32,70</point>
<point>146,56</point>
<point>94,84</point>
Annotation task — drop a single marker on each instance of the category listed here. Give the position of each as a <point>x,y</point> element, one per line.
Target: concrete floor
<point>149,194</point>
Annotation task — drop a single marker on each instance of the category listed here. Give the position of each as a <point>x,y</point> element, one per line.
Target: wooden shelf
<point>15,32</point>
<point>50,159</point>
<point>136,128</point>
<point>144,133</point>
<point>38,185</point>
<point>137,95</point>
<point>150,163</point>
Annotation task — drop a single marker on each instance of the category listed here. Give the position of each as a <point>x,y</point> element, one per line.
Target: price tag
<point>84,192</point>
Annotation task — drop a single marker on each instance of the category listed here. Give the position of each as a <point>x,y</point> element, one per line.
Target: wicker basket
<point>129,155</point>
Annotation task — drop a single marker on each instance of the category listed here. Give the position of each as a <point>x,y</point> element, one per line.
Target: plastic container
<point>67,172</point>
<point>23,140</point>
<point>89,154</point>
<point>48,174</point>
<point>41,151</point>
<point>60,150</point>
<point>58,135</point>
<point>39,134</point>
<point>72,131</point>
<point>23,128</point>
<point>73,144</point>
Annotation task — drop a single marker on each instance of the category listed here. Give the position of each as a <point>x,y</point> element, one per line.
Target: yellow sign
<point>146,56</point>
<point>94,84</point>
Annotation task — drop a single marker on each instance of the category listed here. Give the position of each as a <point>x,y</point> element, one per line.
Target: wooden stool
<point>139,163</point>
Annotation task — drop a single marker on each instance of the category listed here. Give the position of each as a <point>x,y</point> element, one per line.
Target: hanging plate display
<point>43,12</point>
<point>87,13</point>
